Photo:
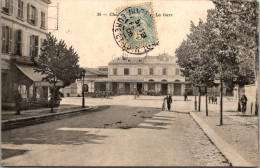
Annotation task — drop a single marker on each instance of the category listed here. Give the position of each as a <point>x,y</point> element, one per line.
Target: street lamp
<point>83,88</point>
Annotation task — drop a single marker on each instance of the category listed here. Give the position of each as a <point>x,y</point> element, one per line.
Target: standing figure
<point>213,100</point>
<point>209,99</point>
<point>185,96</point>
<point>169,101</point>
<point>18,100</point>
<point>216,100</point>
<point>244,102</point>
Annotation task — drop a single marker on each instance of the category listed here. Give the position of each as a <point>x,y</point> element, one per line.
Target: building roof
<point>127,60</point>
<point>138,60</point>
<point>47,1</point>
<point>95,71</point>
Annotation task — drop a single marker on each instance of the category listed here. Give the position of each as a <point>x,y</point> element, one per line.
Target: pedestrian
<point>213,100</point>
<point>163,105</point>
<point>18,100</point>
<point>209,99</point>
<point>216,100</point>
<point>185,96</point>
<point>169,101</point>
<point>243,102</point>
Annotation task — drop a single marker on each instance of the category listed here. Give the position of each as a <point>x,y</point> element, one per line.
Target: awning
<point>35,76</point>
<point>118,80</point>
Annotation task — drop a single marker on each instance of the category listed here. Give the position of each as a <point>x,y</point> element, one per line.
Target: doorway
<point>127,87</point>
<point>164,89</point>
<point>114,87</point>
<point>139,87</point>
<point>177,89</point>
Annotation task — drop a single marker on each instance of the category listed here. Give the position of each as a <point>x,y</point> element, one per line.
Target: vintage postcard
<point>130,83</point>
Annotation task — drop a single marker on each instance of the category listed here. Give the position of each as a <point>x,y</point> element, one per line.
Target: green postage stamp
<point>134,29</point>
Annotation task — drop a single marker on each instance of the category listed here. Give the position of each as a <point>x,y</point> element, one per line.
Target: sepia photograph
<point>130,83</point>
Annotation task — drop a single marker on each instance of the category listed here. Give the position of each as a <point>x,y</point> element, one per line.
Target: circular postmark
<point>134,30</point>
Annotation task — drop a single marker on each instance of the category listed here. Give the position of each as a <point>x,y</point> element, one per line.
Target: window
<point>115,71</point>
<point>42,20</point>
<point>32,14</point>
<point>18,50</point>
<point>164,71</point>
<point>6,39</point>
<point>8,6</point>
<point>177,72</point>
<point>34,46</point>
<point>20,9</point>
<point>151,71</point>
<point>126,71</point>
<point>139,71</point>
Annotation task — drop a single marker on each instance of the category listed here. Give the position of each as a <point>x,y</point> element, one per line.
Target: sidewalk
<point>8,115</point>
<point>31,117</point>
<point>237,138</point>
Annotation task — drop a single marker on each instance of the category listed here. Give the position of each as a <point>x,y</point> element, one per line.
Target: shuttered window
<point>164,71</point>
<point>139,71</point>
<point>177,71</point>
<point>151,71</point>
<point>32,14</point>
<point>19,42</point>
<point>7,36</point>
<point>20,9</point>
<point>34,46</point>
<point>3,39</point>
<point>42,20</point>
<point>10,40</point>
<point>115,71</point>
<point>8,6</point>
<point>126,71</point>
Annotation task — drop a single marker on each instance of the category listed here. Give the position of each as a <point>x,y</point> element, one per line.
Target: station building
<point>147,75</point>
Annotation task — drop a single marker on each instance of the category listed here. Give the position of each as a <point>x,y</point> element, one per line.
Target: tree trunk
<point>53,95</point>
<point>199,97</point>
<point>206,100</point>
<point>238,101</point>
<point>256,100</point>
<point>195,99</point>
<point>221,102</point>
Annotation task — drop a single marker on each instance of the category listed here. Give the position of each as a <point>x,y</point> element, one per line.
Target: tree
<point>195,61</point>
<point>57,63</point>
<point>229,45</point>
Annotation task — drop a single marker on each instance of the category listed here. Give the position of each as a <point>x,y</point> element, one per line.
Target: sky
<point>92,38</point>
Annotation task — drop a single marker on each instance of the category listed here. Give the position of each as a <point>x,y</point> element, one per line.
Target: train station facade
<point>156,75</point>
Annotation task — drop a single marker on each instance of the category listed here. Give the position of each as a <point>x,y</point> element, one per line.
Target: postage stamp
<point>134,29</point>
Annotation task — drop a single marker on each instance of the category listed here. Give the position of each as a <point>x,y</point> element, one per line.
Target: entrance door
<point>164,89</point>
<point>114,87</point>
<point>177,89</point>
<point>127,87</point>
<point>139,87</point>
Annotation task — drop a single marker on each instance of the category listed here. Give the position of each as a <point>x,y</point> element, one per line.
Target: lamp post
<point>83,88</point>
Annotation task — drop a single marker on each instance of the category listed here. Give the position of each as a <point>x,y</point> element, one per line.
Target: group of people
<point>213,99</point>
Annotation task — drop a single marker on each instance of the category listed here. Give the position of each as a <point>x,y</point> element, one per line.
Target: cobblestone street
<point>130,135</point>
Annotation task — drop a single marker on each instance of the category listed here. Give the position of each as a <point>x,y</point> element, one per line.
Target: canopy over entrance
<point>35,76</point>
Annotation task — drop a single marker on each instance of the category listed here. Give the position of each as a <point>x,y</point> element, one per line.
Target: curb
<point>22,122</point>
<point>233,157</point>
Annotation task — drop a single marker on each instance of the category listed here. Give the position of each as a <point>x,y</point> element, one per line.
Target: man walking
<point>169,101</point>
<point>18,100</point>
<point>244,102</point>
<point>185,97</point>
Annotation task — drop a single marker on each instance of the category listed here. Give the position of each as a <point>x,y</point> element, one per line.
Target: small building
<point>92,74</point>
<point>147,75</point>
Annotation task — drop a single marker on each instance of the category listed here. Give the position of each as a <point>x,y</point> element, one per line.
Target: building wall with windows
<point>23,26</point>
<point>149,74</point>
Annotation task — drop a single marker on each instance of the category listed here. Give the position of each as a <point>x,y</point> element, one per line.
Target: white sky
<point>92,36</point>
